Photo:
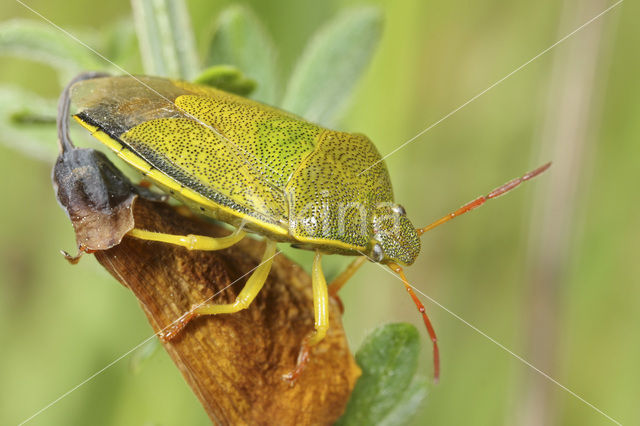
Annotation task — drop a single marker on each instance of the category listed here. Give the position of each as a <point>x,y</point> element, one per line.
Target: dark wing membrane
<point>116,104</point>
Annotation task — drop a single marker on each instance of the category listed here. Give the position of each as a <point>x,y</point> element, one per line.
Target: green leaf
<point>28,123</point>
<point>331,65</point>
<point>120,44</point>
<point>241,40</point>
<point>384,393</point>
<point>410,401</point>
<point>166,38</point>
<point>227,78</point>
<point>43,43</point>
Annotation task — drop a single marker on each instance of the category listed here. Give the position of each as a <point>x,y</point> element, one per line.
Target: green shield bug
<point>264,171</point>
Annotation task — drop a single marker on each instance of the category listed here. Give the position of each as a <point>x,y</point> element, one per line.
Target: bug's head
<point>393,238</point>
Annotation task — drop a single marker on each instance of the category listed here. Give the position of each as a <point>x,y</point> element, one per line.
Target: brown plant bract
<point>234,363</point>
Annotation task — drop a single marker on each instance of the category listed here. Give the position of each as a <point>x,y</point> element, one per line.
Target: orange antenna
<point>481,200</point>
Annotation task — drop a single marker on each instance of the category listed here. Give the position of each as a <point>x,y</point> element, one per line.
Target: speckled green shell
<point>241,161</point>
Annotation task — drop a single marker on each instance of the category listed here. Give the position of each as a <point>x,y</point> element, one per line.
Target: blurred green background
<point>550,271</point>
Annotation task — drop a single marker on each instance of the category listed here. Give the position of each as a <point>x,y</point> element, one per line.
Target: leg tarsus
<point>301,363</point>
<point>243,300</point>
<point>172,330</point>
<point>73,259</point>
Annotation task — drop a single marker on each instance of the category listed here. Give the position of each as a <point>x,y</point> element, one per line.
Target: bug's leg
<point>74,259</point>
<point>427,322</point>
<point>342,279</point>
<point>144,184</point>
<point>143,189</point>
<point>191,242</point>
<point>320,302</point>
<point>481,200</point>
<point>321,313</point>
<point>243,300</point>
<point>345,275</point>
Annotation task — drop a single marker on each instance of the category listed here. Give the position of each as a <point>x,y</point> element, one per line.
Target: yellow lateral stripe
<point>156,175</point>
<point>331,243</point>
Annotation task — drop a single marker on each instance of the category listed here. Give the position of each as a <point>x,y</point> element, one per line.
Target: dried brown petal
<point>235,362</point>
<point>97,197</point>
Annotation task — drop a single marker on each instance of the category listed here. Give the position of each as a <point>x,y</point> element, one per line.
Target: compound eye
<point>376,253</point>
<point>398,209</point>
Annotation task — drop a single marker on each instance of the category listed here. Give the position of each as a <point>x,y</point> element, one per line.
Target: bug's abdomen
<point>332,193</point>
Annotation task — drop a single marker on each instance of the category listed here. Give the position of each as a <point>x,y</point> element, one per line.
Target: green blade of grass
<point>166,38</point>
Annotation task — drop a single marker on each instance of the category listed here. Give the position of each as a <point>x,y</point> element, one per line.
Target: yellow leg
<point>191,242</point>
<point>243,300</point>
<point>321,311</point>
<point>320,301</point>
<point>249,292</point>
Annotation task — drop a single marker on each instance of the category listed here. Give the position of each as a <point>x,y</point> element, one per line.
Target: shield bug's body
<point>259,169</point>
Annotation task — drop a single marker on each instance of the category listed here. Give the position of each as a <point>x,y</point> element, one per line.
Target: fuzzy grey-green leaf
<point>388,359</point>
<point>331,65</point>
<point>408,404</point>
<point>241,40</point>
<point>28,123</point>
<point>166,38</point>
<point>120,44</point>
<point>43,43</point>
